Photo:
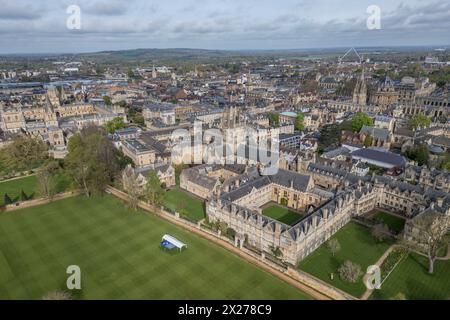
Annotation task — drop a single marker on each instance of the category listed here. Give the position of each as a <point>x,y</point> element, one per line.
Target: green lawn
<point>184,203</point>
<point>357,245</point>
<point>411,279</point>
<point>118,252</point>
<point>282,214</point>
<point>393,222</point>
<point>30,186</point>
<point>13,188</point>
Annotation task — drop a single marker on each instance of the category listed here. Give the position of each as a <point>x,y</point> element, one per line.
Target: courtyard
<point>283,214</point>
<point>394,223</point>
<point>118,251</point>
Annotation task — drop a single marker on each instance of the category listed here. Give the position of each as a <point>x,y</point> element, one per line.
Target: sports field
<point>118,252</point>
<point>282,214</point>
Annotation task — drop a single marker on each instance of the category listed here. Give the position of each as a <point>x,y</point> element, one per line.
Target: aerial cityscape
<point>201,151</point>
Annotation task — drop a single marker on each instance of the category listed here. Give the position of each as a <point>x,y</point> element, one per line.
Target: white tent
<point>177,243</point>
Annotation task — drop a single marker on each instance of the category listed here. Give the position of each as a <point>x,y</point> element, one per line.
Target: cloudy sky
<point>39,26</point>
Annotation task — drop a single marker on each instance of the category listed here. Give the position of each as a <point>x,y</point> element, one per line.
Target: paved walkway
<point>149,208</point>
<point>380,261</point>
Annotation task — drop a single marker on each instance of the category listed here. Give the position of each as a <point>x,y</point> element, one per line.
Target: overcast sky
<point>39,26</point>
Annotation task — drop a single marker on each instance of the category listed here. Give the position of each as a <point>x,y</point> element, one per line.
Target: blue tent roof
<point>167,245</point>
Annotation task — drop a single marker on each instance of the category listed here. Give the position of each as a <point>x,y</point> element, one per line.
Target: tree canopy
<point>299,125</point>
<point>107,100</point>
<point>361,119</point>
<point>420,154</point>
<point>115,124</point>
<point>24,153</point>
<point>92,160</point>
<point>419,121</point>
<point>274,119</point>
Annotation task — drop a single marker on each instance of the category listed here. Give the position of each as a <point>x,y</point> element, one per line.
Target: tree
<point>153,190</point>
<point>274,119</point>
<point>115,124</point>
<point>334,246</point>
<point>329,136</point>
<point>47,180</point>
<point>445,162</point>
<point>368,141</point>
<point>380,231</point>
<point>350,271</point>
<point>419,153</point>
<point>23,196</point>
<point>359,120</point>
<point>299,125</point>
<point>431,229</point>
<point>132,185</point>
<point>7,200</point>
<point>419,121</point>
<point>92,160</point>
<point>24,153</point>
<point>107,100</point>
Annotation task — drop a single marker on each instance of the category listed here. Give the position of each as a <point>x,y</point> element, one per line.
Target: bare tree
<point>380,231</point>
<point>132,185</point>
<point>428,235</point>
<point>334,246</point>
<point>46,179</point>
<point>350,271</point>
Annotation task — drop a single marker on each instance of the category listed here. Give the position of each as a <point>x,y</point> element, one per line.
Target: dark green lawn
<point>357,245</point>
<point>13,188</point>
<point>30,186</point>
<point>411,279</point>
<point>395,223</point>
<point>282,214</point>
<point>118,252</point>
<point>184,203</point>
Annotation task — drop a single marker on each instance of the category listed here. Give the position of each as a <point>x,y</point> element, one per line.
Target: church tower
<point>154,74</point>
<point>360,92</point>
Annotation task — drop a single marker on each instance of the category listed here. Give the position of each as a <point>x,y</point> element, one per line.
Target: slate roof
<point>377,133</point>
<point>384,157</point>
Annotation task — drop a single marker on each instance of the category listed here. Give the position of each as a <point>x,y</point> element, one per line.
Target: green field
<point>184,203</point>
<point>119,255</point>
<point>394,223</point>
<point>411,278</point>
<point>357,245</point>
<point>30,186</point>
<point>282,214</point>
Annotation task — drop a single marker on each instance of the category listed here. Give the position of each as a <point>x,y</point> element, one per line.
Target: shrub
<point>350,271</point>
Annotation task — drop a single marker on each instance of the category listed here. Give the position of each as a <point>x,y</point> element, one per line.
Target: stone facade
<point>353,196</point>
